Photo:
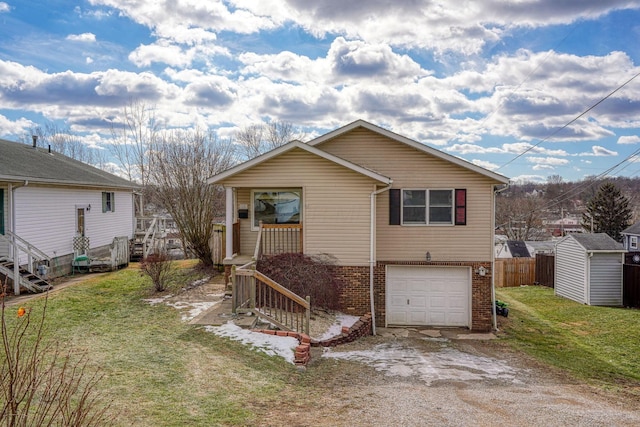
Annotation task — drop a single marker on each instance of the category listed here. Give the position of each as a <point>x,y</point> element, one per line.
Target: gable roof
<point>302,146</point>
<point>518,249</point>
<point>22,162</point>
<point>414,144</point>
<point>634,229</point>
<point>596,242</point>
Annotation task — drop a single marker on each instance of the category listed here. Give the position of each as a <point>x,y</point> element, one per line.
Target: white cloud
<point>84,37</point>
<point>629,139</point>
<point>547,161</point>
<point>485,164</point>
<point>89,60</point>
<point>11,128</point>
<point>521,179</point>
<point>599,151</point>
<point>4,7</point>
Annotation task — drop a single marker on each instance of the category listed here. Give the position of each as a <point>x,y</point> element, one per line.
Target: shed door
<point>434,296</point>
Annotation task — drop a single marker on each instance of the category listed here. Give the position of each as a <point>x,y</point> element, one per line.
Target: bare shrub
<point>306,276</point>
<point>159,267</point>
<point>41,384</point>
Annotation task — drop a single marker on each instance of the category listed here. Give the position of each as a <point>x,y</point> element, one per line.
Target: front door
<point>80,222</point>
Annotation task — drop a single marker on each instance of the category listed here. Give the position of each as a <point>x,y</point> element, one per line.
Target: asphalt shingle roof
<point>597,242</point>
<point>19,162</point>
<point>634,229</point>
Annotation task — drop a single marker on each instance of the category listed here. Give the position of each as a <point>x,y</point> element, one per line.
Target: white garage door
<point>435,296</point>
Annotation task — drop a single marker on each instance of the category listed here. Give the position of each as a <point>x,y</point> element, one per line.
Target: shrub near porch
<point>305,276</point>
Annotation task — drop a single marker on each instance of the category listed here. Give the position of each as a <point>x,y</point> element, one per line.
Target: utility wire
<point>571,121</point>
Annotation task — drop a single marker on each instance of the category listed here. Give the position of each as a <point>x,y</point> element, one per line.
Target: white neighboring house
<point>48,199</point>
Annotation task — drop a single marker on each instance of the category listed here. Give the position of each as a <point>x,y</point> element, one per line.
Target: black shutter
<point>394,206</point>
<point>461,207</point>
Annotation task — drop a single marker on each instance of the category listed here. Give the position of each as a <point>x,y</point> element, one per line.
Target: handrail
<point>278,238</point>
<point>255,293</point>
<point>28,248</point>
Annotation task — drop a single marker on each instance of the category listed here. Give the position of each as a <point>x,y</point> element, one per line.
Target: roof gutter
<point>372,252</point>
<point>494,316</point>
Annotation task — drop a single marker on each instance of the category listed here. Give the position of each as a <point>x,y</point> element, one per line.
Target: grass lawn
<point>598,344</point>
<point>158,369</point>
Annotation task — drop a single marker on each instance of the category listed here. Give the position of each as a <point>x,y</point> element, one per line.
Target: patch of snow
<point>449,364</point>
<point>195,308</point>
<point>154,301</point>
<point>272,345</point>
<point>336,328</point>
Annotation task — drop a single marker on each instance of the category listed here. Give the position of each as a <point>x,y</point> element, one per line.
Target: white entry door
<point>433,296</point>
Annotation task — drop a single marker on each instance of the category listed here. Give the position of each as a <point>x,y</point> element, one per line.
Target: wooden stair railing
<point>255,293</point>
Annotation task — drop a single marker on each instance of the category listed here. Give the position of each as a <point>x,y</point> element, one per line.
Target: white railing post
<point>229,222</point>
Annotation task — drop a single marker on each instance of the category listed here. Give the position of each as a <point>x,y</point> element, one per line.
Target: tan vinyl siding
<point>410,168</point>
<point>335,209</point>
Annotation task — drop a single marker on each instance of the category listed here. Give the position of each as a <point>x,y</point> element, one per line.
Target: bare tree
<point>258,139</point>
<point>519,216</point>
<point>65,141</point>
<point>134,140</point>
<point>182,163</point>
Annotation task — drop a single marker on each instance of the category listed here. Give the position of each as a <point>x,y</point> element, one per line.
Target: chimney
<point>35,140</point>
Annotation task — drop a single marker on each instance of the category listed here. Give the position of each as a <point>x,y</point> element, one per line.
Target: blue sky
<point>486,80</point>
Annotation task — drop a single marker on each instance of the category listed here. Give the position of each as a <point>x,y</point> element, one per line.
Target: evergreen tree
<point>609,210</point>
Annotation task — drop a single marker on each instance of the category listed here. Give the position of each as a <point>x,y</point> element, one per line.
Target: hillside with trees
<point>532,211</point>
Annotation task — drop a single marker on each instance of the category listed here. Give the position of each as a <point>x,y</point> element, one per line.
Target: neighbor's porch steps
<point>30,281</point>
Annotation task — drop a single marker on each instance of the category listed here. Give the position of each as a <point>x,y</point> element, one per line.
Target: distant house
<point>49,202</point>
<point>630,237</point>
<point>588,269</point>
<point>411,228</point>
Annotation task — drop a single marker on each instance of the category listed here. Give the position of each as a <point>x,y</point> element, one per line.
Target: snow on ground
<point>272,345</point>
<point>154,301</point>
<point>449,364</point>
<point>336,328</point>
<point>194,308</point>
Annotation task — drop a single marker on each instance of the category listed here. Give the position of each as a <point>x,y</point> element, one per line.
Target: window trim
<point>633,242</point>
<point>274,190</point>
<point>108,201</point>
<point>427,208</point>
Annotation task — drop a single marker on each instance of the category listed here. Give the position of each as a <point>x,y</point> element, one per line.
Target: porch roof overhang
<point>216,179</point>
<point>414,144</point>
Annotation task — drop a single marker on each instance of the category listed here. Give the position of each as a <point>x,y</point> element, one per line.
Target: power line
<point>571,121</point>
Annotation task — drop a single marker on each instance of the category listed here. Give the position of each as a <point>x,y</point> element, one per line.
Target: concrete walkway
<point>220,314</point>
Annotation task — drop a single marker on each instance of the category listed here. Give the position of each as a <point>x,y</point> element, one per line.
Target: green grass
<point>597,344</point>
<point>158,369</point>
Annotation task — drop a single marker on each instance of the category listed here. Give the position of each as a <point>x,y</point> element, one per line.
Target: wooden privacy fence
<point>545,270</point>
<point>515,272</point>
<point>631,285</point>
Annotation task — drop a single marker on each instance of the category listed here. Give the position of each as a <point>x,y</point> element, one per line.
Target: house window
<point>427,207</point>
<point>276,206</point>
<point>633,242</point>
<point>108,202</point>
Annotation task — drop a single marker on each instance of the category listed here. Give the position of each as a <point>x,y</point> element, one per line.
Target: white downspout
<point>16,254</point>
<point>372,252</point>
<point>494,316</point>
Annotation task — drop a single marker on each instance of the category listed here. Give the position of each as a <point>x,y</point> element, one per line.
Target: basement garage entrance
<point>433,296</point>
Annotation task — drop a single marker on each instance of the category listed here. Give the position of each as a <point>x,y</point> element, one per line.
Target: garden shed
<point>589,269</point>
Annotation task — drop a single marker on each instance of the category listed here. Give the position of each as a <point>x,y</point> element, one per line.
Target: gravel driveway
<point>407,378</point>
